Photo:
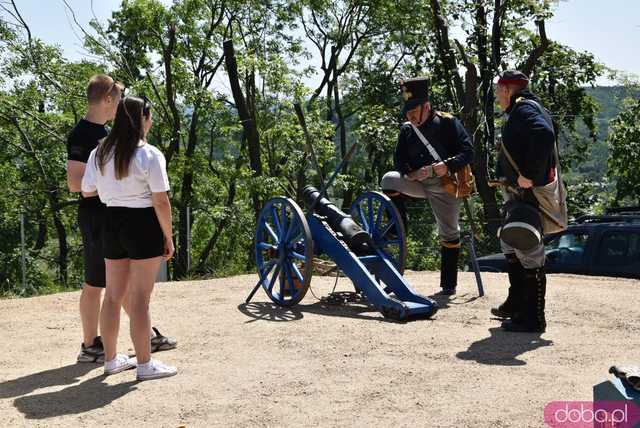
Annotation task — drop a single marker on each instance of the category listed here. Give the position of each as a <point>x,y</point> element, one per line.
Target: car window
<point>567,248</point>
<point>620,249</point>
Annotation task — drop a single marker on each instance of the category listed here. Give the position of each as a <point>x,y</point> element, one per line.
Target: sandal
<point>162,343</point>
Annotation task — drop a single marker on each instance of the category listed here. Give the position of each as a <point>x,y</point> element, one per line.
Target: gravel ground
<point>318,365</point>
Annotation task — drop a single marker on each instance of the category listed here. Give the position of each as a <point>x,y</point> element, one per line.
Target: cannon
<point>356,238</point>
<point>368,245</point>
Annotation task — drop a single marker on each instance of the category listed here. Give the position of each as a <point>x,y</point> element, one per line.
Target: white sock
<point>145,365</point>
<point>111,361</point>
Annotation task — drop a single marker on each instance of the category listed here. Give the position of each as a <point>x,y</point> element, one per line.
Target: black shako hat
<point>508,77</point>
<point>415,91</point>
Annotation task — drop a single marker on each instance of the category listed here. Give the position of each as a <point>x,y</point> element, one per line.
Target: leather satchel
<point>460,184</point>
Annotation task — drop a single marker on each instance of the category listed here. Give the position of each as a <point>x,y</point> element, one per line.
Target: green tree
<point>173,54</point>
<point>36,113</point>
<point>224,77</point>
<point>624,152</point>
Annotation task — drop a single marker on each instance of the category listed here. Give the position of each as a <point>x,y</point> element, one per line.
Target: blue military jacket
<point>529,137</point>
<point>447,136</point>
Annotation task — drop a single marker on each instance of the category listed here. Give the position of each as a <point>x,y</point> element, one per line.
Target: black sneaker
<point>93,353</point>
<point>162,343</point>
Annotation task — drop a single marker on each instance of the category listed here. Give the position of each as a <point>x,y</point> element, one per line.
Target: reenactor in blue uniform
<point>528,136</point>
<point>431,145</point>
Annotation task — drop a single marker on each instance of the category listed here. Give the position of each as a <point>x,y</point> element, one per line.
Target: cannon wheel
<point>375,212</point>
<point>284,251</point>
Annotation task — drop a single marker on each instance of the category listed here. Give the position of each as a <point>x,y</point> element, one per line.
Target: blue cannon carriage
<point>368,245</point>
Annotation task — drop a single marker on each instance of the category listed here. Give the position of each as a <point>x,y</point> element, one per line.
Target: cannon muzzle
<point>353,235</point>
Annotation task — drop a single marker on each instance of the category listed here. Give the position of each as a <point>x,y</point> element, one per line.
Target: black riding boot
<point>531,318</point>
<point>516,285</point>
<point>449,270</point>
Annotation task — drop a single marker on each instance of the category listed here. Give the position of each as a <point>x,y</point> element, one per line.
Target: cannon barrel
<point>353,235</point>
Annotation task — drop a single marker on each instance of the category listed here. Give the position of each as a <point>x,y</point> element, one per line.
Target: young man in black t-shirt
<point>103,96</point>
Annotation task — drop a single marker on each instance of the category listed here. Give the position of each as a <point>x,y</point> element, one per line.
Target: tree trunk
<point>450,67</point>
<point>62,239</point>
<point>42,234</point>
<point>530,63</point>
<point>485,139</point>
<point>347,196</point>
<point>167,53</point>
<point>246,119</point>
<point>249,125</point>
<point>181,264</point>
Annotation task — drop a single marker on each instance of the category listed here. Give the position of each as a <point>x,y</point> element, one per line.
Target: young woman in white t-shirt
<point>130,177</point>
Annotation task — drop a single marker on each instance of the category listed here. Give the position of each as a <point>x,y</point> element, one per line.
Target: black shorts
<point>91,215</point>
<point>132,233</point>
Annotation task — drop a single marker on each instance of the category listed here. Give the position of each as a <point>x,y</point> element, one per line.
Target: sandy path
<point>259,365</point>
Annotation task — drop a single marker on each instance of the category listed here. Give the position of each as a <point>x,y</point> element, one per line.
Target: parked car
<point>607,245</point>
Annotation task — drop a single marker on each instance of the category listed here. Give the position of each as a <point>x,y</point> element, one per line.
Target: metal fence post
<point>23,255</point>
<point>162,272</point>
<point>188,239</point>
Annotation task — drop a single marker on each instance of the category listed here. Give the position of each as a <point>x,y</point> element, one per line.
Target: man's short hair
<point>100,86</point>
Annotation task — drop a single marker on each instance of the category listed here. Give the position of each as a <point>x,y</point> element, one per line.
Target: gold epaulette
<point>444,114</point>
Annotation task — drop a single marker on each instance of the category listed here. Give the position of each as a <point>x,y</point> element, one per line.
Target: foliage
<point>624,152</point>
<point>220,173</point>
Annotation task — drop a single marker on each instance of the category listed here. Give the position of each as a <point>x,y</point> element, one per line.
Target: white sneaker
<point>154,369</point>
<point>120,363</point>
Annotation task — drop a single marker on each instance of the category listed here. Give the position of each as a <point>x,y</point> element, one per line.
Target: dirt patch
<point>313,365</point>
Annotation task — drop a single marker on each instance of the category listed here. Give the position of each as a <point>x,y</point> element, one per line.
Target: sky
<point>608,29</point>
